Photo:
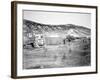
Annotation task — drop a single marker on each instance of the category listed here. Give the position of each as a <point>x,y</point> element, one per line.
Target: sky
<point>56,18</point>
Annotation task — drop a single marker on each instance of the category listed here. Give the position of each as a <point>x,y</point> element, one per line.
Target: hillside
<point>68,29</point>
<point>64,45</point>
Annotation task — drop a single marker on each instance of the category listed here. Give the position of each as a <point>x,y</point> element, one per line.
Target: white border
<point>21,72</point>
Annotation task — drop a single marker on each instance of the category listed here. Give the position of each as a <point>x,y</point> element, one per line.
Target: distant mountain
<point>68,29</point>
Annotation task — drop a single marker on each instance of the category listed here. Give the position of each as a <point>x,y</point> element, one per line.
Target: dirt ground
<point>56,56</point>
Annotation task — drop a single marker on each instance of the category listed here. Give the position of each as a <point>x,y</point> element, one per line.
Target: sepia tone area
<point>55,46</point>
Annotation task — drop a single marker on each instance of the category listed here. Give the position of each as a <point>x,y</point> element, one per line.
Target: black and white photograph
<point>53,39</point>
<point>56,39</point>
